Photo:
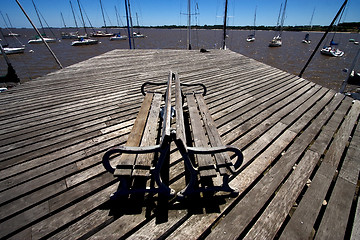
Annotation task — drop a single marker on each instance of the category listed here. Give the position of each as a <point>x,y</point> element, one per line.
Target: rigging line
<point>47,24</point>
<point>48,47</point>
<point>102,12</point>
<point>72,9</point>
<point>37,13</point>
<point>62,17</point>
<point>322,38</point>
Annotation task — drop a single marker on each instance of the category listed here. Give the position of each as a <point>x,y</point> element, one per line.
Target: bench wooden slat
<point>205,161</point>
<point>126,161</point>
<point>222,159</point>
<point>143,161</point>
<point>180,125</point>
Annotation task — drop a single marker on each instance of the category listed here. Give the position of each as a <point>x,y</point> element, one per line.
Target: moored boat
<point>331,51</point>
<point>14,50</point>
<point>83,41</point>
<point>275,42</point>
<point>118,37</point>
<point>39,40</point>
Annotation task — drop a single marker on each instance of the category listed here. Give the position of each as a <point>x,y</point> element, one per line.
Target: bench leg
<point>190,187</point>
<point>123,188</point>
<point>162,188</point>
<point>226,187</point>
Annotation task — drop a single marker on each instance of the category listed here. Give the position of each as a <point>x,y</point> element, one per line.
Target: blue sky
<point>171,12</point>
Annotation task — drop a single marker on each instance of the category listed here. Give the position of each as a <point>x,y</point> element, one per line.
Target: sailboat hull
<point>14,50</point>
<point>84,42</point>
<point>39,40</point>
<point>328,51</point>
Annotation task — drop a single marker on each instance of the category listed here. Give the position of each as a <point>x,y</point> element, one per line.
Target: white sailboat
<point>251,37</point>
<point>14,50</point>
<point>307,35</point>
<point>277,41</point>
<point>82,41</point>
<point>102,33</point>
<point>332,50</point>
<point>39,39</point>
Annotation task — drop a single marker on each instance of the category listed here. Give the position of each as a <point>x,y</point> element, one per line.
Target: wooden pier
<point>299,179</point>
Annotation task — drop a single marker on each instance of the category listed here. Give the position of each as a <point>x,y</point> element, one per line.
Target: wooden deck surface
<point>299,180</point>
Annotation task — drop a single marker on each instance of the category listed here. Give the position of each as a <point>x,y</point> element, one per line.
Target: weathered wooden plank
<point>149,138</point>
<point>205,161</point>
<point>303,219</point>
<point>275,213</point>
<point>126,161</point>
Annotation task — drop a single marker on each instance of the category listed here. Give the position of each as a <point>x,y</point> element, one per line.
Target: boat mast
<point>224,28</point>
<point>82,17</point>
<point>73,15</point>
<point>137,22</point>
<point>37,13</point>
<point>131,25</point>
<point>189,26</point>
<point>62,17</point>
<point>255,20</point>
<point>128,24</point>
<point>283,18</point>
<point>102,12</point>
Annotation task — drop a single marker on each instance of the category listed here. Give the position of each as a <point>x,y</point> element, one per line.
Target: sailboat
<point>251,37</point>
<point>38,39</point>
<point>10,34</point>
<point>307,35</point>
<point>102,33</point>
<point>276,41</point>
<point>331,50</point>
<point>82,40</point>
<point>70,35</point>
<point>138,34</point>
<point>11,50</point>
<point>118,36</point>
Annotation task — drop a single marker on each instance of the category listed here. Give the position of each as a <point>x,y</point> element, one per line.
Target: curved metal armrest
<point>195,84</point>
<point>221,149</point>
<point>151,83</point>
<point>126,149</point>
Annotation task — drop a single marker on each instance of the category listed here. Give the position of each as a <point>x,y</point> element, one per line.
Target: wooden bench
<point>143,155</point>
<point>204,145</point>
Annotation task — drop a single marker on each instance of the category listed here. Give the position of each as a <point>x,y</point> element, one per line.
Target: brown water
<point>291,57</point>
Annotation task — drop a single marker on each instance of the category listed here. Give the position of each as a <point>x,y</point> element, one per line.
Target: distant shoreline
<point>351,27</point>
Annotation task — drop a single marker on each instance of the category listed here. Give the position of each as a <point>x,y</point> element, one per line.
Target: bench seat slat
<point>205,161</point>
<point>134,138</point>
<point>144,161</point>
<point>222,159</point>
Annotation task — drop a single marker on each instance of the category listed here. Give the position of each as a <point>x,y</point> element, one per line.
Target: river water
<point>291,57</point>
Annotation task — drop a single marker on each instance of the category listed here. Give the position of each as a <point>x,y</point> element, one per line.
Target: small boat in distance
<point>101,34</point>
<point>118,37</point>
<point>306,39</point>
<point>84,41</point>
<point>14,50</point>
<point>39,40</point>
<point>307,35</point>
<point>331,51</point>
<point>251,37</point>
<point>277,41</point>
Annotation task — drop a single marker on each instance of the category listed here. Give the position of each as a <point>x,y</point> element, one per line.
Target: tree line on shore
<point>342,27</point>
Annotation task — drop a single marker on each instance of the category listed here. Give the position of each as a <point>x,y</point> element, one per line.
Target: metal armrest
<point>221,149</point>
<point>151,83</point>
<point>195,84</point>
<point>126,149</point>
